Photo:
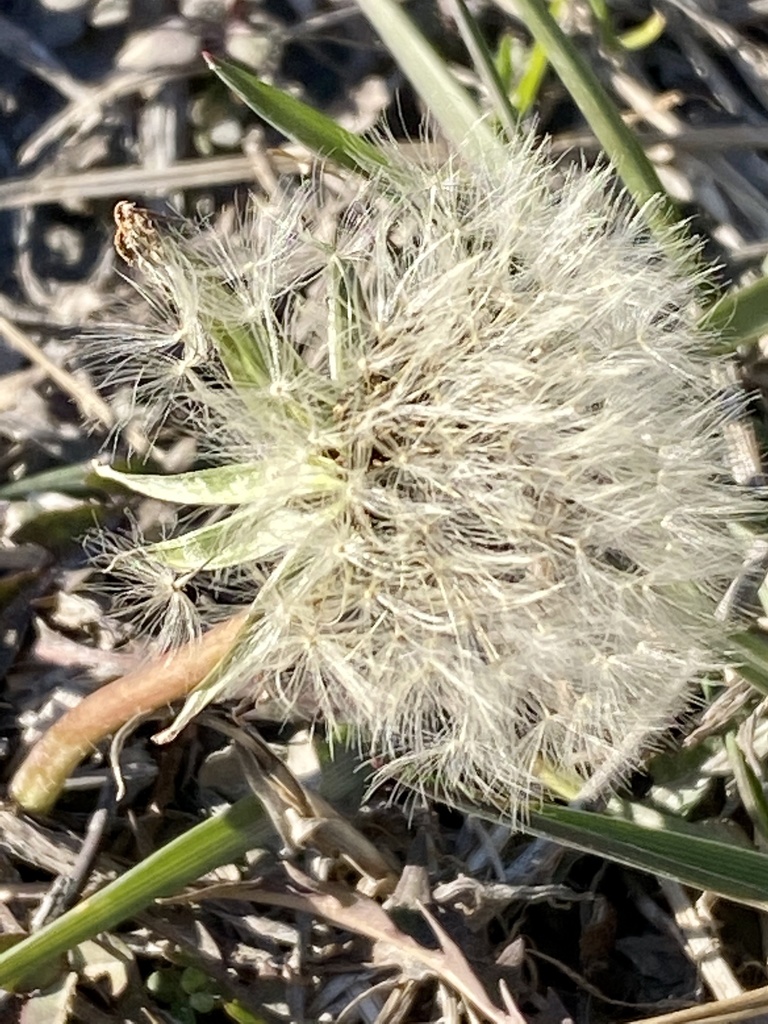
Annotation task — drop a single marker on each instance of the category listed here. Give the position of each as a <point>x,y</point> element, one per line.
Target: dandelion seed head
<point>493,460</point>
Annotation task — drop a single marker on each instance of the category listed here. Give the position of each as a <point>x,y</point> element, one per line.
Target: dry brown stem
<point>41,776</point>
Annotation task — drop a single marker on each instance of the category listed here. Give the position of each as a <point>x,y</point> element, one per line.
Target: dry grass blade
<point>17,44</point>
<point>91,405</point>
<point>692,140</point>
<point>93,408</point>
<point>85,113</point>
<point>701,942</point>
<point>302,817</point>
<point>107,182</point>
<point>744,1007</point>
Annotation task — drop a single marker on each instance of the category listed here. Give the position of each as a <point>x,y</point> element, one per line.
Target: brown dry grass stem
<point>41,776</point>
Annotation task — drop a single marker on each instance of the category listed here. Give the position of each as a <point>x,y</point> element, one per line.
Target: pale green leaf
<point>235,484</point>
<point>243,351</point>
<point>240,538</point>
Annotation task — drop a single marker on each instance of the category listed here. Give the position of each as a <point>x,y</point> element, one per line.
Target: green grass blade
<point>206,846</point>
<point>750,650</point>
<point>535,70</point>
<point>300,122</point>
<point>749,786</point>
<point>644,34</point>
<point>450,105</point>
<point>485,65</point>
<point>625,152</point>
<point>672,850</point>
<point>527,91</point>
<point>77,480</point>
<point>601,12</point>
<point>504,62</point>
<point>739,316</point>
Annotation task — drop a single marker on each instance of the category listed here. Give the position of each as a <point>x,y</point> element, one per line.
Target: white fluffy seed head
<point>511,568</point>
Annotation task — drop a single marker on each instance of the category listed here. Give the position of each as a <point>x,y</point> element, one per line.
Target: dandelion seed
<point>153,596</point>
<point>494,523</point>
<point>168,605</point>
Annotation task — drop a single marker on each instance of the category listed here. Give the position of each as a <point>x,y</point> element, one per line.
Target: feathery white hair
<point>510,562</point>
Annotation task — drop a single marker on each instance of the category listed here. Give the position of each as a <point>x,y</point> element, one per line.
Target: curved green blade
<point>300,122</point>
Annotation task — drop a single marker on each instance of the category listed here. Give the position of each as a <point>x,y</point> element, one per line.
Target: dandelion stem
<point>41,776</point>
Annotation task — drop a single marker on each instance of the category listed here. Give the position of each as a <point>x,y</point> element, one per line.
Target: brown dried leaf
<point>363,916</point>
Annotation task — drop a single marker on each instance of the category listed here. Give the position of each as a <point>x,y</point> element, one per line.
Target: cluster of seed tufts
<point>478,500</point>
